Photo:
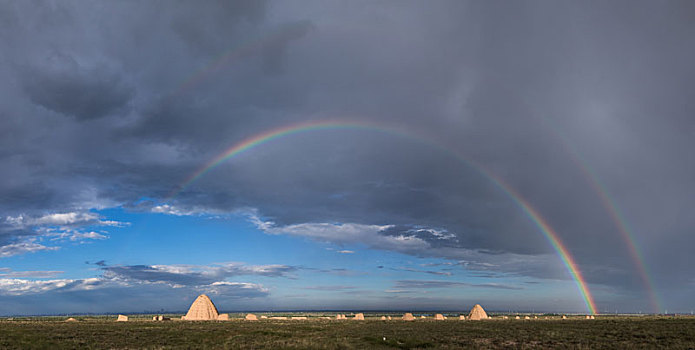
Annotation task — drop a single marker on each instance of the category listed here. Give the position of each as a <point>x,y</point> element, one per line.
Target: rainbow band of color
<point>613,211</point>
<point>625,234</point>
<point>525,206</point>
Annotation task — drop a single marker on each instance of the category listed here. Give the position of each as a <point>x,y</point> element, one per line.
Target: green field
<point>104,332</point>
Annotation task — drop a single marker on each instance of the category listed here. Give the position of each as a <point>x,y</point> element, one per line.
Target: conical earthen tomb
<point>202,309</point>
<point>477,313</point>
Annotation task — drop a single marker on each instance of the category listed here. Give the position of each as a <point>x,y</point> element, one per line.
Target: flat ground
<point>104,332</point>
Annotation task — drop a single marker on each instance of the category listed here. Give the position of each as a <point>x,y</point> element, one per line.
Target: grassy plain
<point>103,332</point>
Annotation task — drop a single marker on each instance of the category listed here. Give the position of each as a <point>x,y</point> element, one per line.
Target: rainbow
<point>545,228</point>
<point>619,221</point>
<point>622,226</point>
<point>246,49</point>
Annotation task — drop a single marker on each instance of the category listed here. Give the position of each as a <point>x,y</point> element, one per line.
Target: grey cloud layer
<point>110,103</point>
<point>193,275</point>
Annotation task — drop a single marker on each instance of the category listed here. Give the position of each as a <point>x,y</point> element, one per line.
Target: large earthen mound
<point>477,313</point>
<point>408,317</point>
<point>202,309</point>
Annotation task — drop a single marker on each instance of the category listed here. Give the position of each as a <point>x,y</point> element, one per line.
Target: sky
<point>347,155</point>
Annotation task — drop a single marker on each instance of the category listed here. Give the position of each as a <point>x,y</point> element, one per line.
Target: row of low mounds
<point>203,309</point>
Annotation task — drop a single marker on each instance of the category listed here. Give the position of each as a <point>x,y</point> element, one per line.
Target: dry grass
<point>100,332</point>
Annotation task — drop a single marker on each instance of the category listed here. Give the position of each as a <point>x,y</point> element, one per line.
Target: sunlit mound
<point>202,309</point>
<point>477,313</point>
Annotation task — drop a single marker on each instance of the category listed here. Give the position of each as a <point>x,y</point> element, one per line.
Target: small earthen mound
<point>251,317</point>
<point>223,317</point>
<point>462,317</point>
<point>359,317</point>
<point>298,318</point>
<point>439,317</point>
<point>122,318</point>
<point>71,320</point>
<point>408,317</point>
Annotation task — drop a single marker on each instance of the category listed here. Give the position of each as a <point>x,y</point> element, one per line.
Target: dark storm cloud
<point>107,104</point>
<point>64,87</point>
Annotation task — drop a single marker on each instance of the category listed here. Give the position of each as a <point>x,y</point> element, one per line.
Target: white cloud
<point>13,286</point>
<point>61,220</point>
<point>346,233</point>
<point>55,227</point>
<point>438,234</point>
<point>171,210</point>
<point>86,235</point>
<point>22,248</point>
<point>168,209</point>
<point>346,252</point>
<point>69,219</point>
<point>239,289</point>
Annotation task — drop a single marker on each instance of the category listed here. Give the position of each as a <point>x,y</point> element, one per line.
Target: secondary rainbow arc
<point>613,211</point>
